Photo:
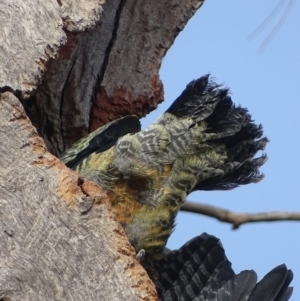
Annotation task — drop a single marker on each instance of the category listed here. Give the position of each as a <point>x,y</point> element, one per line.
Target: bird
<point>202,142</point>
<point>200,271</point>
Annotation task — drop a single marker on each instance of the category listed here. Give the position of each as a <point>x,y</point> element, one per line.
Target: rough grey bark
<point>73,65</point>
<point>25,48</point>
<point>59,240</point>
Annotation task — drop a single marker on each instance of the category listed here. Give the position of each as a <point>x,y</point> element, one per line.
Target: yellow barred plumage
<point>202,142</point>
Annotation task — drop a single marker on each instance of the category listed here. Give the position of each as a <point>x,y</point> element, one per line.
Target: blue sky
<point>216,41</point>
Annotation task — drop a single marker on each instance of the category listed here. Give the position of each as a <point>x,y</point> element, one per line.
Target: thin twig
<point>237,219</point>
<point>278,25</point>
<point>266,22</point>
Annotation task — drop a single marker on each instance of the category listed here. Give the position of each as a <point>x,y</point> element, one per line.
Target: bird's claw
<point>140,255</point>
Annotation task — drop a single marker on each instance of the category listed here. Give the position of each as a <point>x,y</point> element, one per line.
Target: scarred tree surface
<point>68,67</point>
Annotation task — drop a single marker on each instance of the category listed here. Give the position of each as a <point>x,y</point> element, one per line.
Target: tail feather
<point>245,149</point>
<point>213,121</point>
<point>200,271</point>
<point>199,100</point>
<point>208,141</point>
<point>273,287</point>
<point>285,295</point>
<point>235,175</point>
<point>238,288</point>
<point>197,265</point>
<point>231,123</point>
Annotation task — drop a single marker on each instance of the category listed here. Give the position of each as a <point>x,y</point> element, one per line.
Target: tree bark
<point>71,66</point>
<point>59,240</point>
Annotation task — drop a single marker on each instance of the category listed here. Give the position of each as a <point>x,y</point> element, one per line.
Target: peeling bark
<point>108,71</point>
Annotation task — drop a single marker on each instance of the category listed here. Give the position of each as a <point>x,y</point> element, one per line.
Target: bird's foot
<point>140,255</point>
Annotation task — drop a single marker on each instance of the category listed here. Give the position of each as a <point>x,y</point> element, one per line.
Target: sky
<point>216,40</point>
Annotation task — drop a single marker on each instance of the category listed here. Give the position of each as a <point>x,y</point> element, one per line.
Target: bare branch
<point>237,219</point>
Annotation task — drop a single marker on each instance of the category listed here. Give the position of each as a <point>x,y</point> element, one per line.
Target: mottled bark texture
<point>59,240</point>
<point>71,66</point>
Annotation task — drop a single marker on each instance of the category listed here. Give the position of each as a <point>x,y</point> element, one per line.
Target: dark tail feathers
<point>200,271</point>
<point>204,100</point>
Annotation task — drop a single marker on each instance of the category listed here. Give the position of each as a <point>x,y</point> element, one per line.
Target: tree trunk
<point>71,66</point>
